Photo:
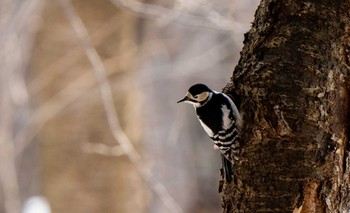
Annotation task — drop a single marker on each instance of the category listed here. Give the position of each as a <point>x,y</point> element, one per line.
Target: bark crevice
<point>289,85</point>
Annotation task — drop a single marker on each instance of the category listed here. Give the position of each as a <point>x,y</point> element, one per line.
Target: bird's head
<point>198,95</point>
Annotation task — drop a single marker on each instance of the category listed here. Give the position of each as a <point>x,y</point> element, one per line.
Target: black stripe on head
<point>198,89</point>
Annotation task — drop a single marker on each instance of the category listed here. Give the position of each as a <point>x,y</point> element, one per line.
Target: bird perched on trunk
<point>220,119</point>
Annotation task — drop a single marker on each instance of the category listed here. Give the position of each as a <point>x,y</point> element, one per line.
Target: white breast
<point>207,129</point>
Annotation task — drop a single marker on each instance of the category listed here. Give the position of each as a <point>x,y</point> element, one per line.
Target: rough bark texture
<point>292,86</point>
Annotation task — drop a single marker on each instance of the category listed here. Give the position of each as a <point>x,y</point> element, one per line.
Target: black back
<point>211,112</point>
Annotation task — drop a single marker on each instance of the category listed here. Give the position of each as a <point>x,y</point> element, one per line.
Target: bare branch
<point>45,78</point>
<point>102,149</point>
<point>213,21</point>
<point>8,176</point>
<point>112,117</point>
<point>15,21</point>
<point>15,37</point>
<point>58,102</point>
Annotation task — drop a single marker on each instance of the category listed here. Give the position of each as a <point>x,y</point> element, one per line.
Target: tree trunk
<point>292,88</point>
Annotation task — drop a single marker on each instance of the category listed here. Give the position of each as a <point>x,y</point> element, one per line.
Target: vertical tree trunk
<point>292,85</point>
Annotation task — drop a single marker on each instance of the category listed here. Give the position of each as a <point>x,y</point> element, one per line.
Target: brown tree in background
<point>293,86</point>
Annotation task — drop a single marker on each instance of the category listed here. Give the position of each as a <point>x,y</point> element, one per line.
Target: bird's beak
<point>184,99</point>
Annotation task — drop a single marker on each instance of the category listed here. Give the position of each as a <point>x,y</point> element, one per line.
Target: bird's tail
<point>227,167</point>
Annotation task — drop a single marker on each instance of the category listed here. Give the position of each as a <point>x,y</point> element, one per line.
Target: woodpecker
<point>220,119</point>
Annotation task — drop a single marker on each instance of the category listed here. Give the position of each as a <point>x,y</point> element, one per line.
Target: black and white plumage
<point>220,119</point>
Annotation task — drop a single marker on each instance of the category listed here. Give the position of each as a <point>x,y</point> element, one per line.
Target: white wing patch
<point>235,111</point>
<point>227,122</point>
<point>206,128</point>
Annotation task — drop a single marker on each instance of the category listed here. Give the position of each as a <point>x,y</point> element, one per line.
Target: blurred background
<point>88,113</point>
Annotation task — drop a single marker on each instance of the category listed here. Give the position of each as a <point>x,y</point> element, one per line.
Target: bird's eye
<point>196,96</point>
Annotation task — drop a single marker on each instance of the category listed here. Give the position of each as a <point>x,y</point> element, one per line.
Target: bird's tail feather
<point>228,170</point>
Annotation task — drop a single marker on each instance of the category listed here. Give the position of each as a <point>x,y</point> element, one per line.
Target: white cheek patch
<point>196,105</point>
<point>189,95</point>
<point>203,96</point>
<point>207,129</point>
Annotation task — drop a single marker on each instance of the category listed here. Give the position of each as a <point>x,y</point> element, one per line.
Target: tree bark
<point>292,88</point>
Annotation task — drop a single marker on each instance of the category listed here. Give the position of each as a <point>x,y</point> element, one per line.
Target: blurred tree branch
<point>111,114</point>
<point>17,26</point>
<point>212,20</point>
